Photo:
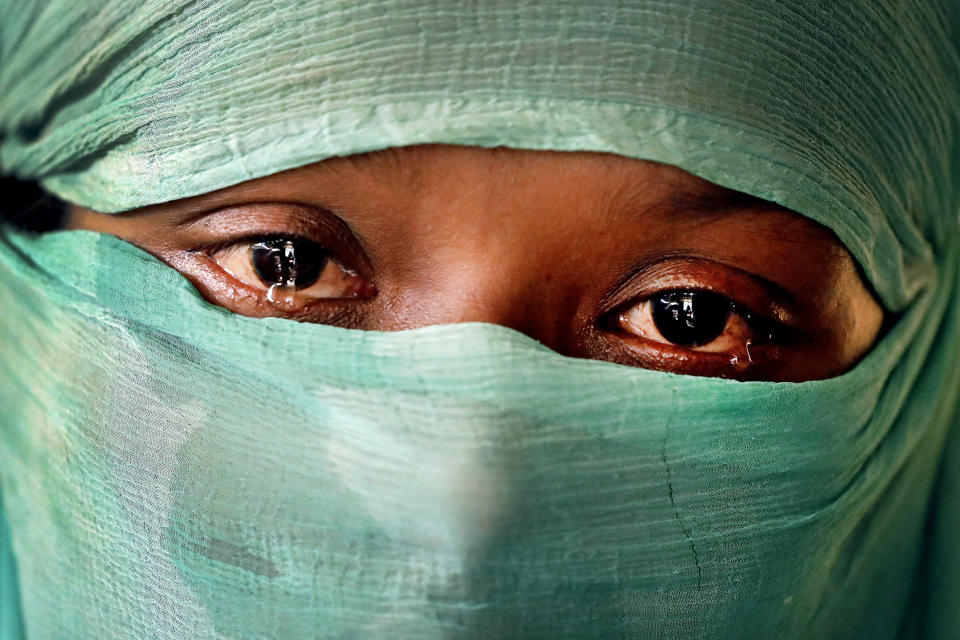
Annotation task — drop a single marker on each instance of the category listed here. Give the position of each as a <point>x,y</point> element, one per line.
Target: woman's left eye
<point>288,268</point>
<point>696,320</point>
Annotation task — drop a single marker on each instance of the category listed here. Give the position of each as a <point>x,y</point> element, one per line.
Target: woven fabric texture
<point>171,470</point>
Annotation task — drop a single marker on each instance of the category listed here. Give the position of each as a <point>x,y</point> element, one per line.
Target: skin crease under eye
<point>552,244</point>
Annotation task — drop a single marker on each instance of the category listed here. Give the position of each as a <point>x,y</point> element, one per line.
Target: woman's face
<point>594,255</point>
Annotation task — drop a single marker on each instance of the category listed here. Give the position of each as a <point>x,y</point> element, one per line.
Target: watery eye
<point>690,318</point>
<point>290,271</point>
<point>286,263</point>
<point>699,320</point>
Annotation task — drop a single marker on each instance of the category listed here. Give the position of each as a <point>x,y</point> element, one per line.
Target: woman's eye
<point>289,269</point>
<point>701,320</point>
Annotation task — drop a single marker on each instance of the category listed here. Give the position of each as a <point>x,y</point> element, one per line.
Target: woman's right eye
<point>289,270</point>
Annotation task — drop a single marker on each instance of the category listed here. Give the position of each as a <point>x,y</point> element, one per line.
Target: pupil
<point>690,318</point>
<point>288,263</point>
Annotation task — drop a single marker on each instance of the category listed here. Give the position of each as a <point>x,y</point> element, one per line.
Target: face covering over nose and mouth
<point>171,470</point>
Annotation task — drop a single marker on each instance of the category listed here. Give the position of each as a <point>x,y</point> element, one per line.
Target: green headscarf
<point>172,470</point>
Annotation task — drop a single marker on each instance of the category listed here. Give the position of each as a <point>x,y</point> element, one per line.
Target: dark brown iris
<point>283,262</point>
<point>690,318</point>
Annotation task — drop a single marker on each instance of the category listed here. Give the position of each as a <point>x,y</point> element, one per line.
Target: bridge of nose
<point>508,247</point>
<point>517,284</point>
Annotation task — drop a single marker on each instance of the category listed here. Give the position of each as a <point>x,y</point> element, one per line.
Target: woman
<point>627,320</point>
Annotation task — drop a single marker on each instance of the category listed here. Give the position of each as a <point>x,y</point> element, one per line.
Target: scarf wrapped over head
<point>171,470</point>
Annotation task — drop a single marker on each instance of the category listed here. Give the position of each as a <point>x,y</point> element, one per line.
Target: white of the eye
<point>637,316</point>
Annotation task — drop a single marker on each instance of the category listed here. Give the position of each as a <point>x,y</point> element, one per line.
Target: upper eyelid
<point>307,221</point>
<point>203,218</point>
<point>648,279</point>
<point>238,223</point>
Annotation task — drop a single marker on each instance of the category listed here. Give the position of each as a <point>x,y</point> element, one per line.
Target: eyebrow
<point>713,201</point>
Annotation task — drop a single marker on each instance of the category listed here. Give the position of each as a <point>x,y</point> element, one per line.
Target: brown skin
<point>566,247</point>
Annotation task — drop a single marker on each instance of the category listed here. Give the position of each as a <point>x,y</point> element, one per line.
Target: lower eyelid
<point>701,274</point>
<point>648,354</point>
<point>212,269</point>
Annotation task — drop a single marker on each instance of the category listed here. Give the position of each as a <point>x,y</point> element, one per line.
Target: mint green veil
<point>171,470</point>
